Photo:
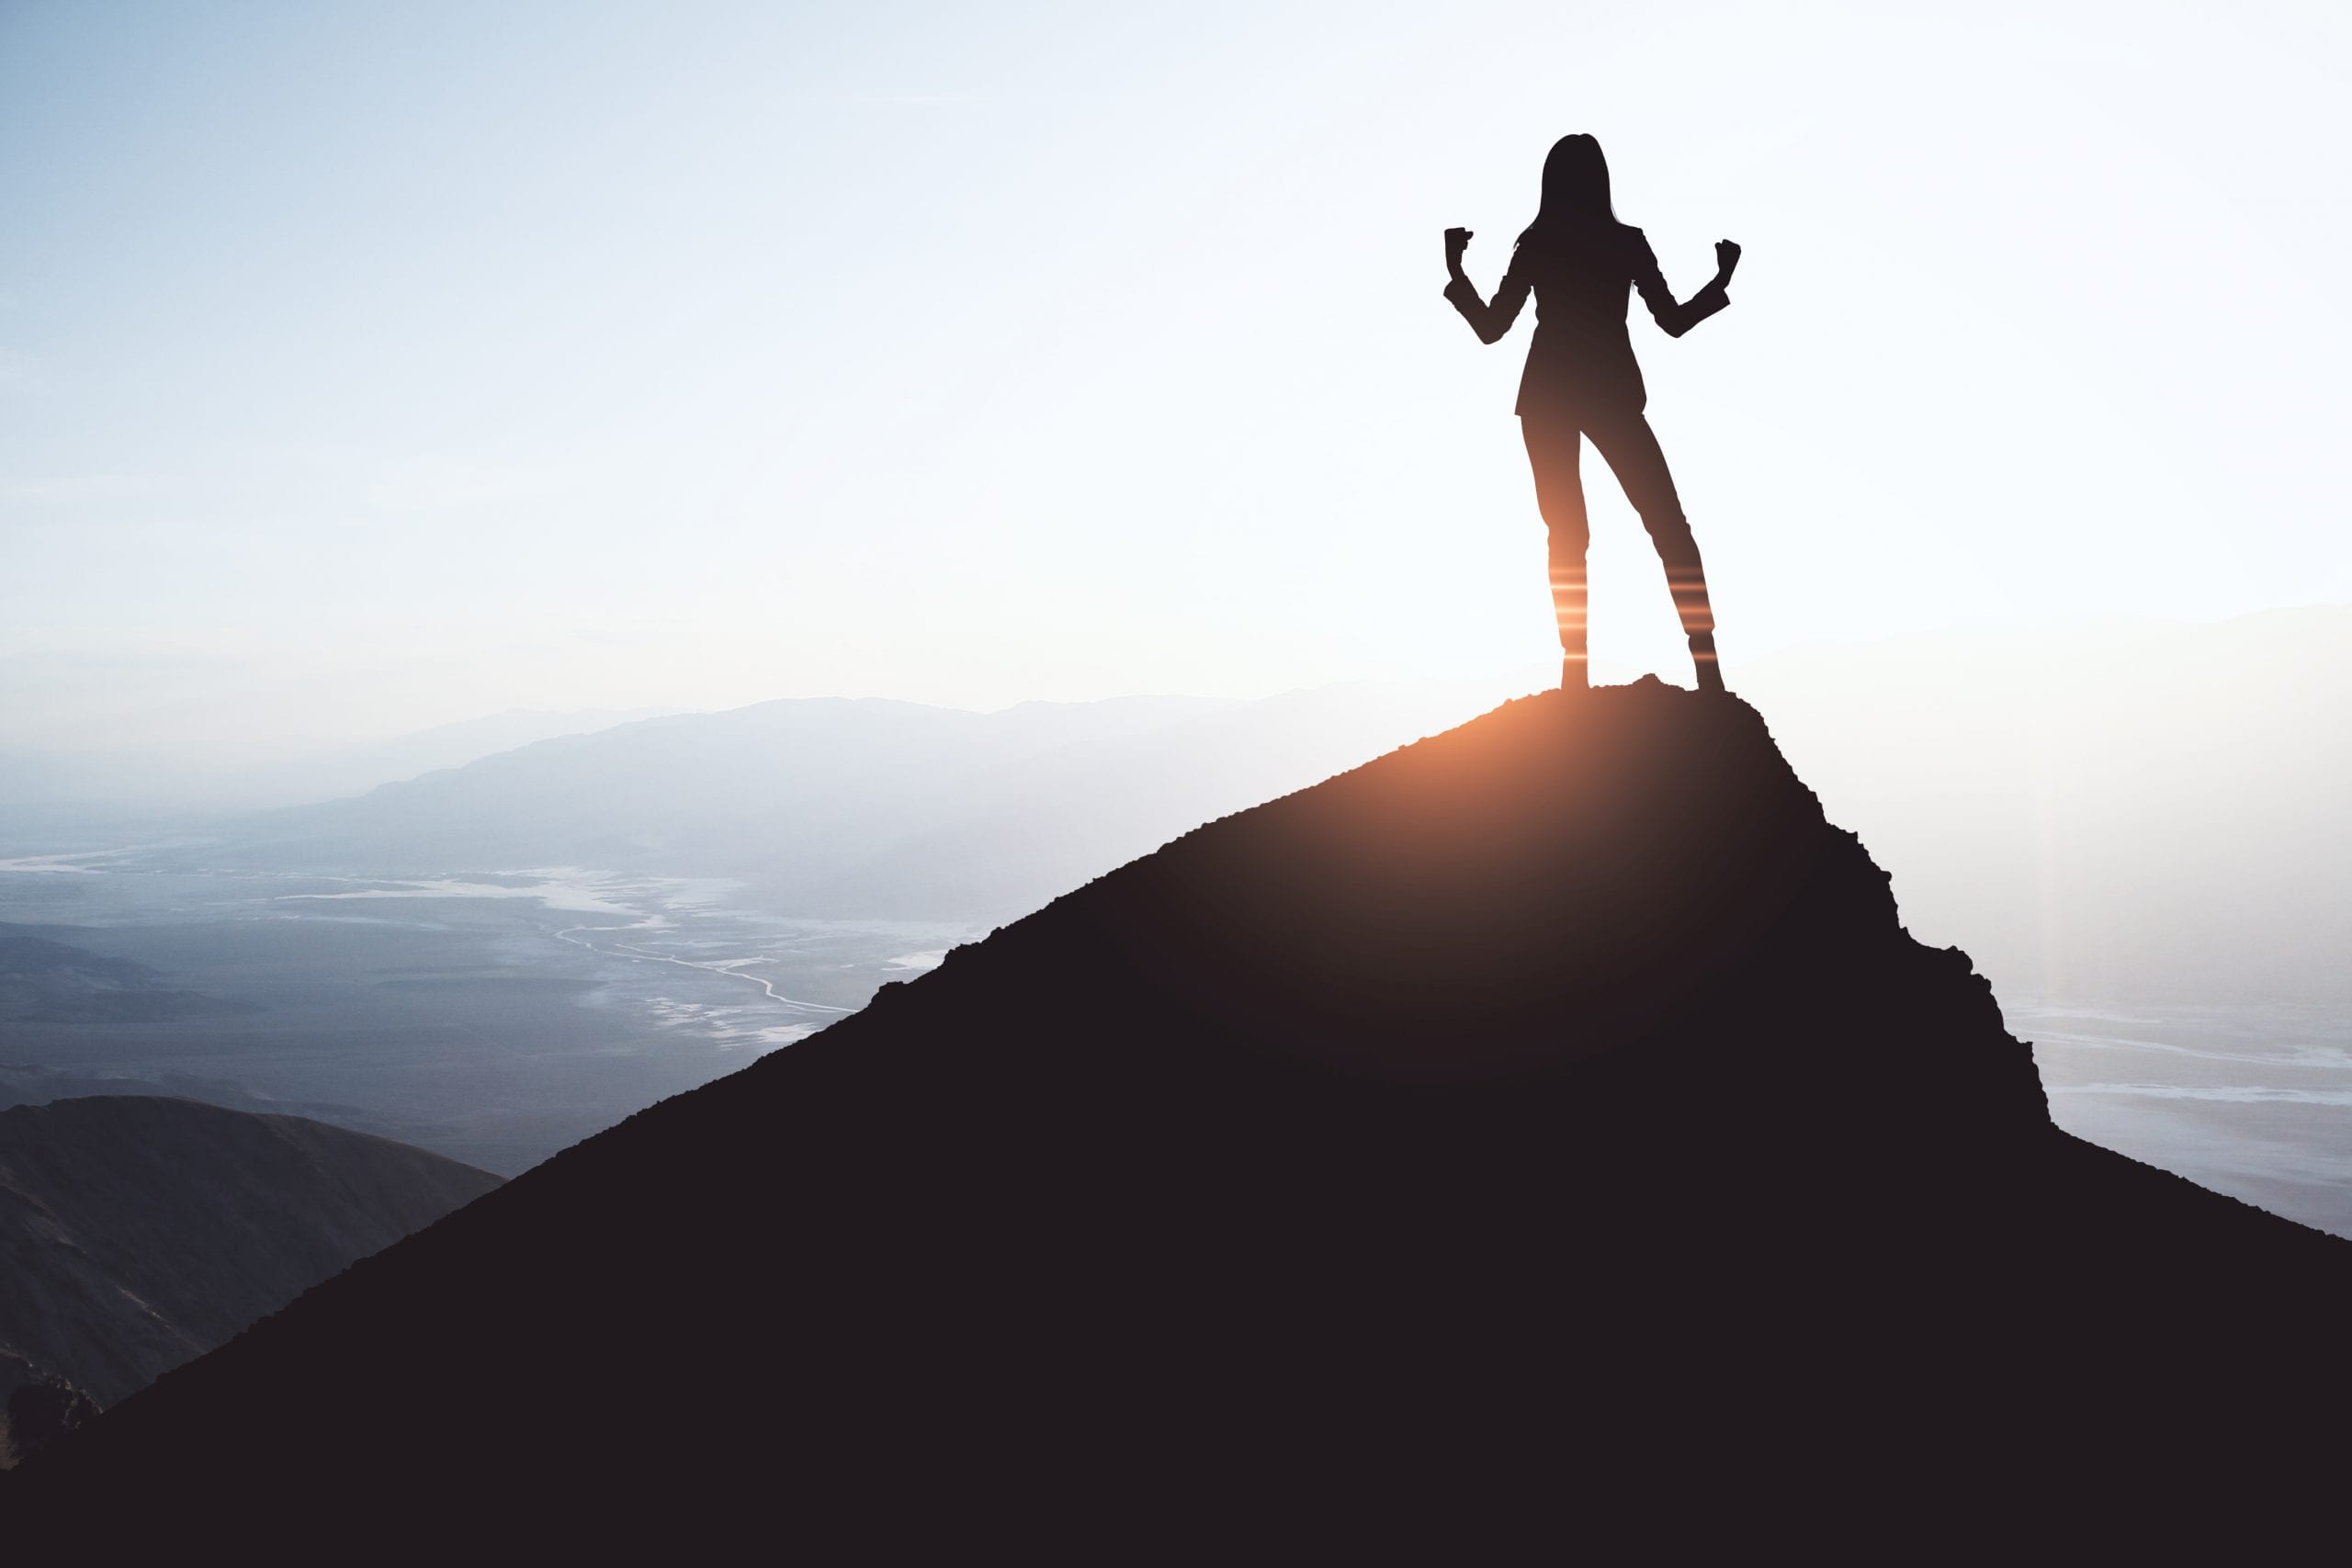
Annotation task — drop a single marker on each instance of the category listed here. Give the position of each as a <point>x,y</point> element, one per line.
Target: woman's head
<point>1576,185</point>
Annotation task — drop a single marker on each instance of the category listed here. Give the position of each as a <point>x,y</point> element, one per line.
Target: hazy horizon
<point>176,778</point>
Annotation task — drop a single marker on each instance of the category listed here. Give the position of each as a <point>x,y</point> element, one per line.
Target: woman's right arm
<point>1489,319</point>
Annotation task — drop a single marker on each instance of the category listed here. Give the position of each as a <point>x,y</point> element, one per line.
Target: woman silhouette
<point>1581,380</point>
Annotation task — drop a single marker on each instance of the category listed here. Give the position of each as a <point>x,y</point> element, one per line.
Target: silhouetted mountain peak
<point>1566,877</point>
<point>1556,1101</point>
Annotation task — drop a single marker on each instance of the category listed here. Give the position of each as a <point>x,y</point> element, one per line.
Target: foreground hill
<point>1550,1124</point>
<point>137,1233</point>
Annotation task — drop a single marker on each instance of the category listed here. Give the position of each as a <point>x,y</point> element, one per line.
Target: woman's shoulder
<point>1635,247</point>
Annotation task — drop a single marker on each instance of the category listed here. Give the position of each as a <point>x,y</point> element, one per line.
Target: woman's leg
<point>1632,450</point>
<point>1554,450</point>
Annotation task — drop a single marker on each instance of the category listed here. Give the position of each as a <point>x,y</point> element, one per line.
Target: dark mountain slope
<point>1551,1118</point>
<point>137,1233</point>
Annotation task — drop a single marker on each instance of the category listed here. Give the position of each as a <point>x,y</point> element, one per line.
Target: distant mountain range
<point>2139,809</point>
<point>139,1232</point>
<point>38,787</point>
<point>1548,1129</point>
<point>837,807</point>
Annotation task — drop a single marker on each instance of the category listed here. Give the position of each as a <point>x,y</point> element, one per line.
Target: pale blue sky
<point>367,366</point>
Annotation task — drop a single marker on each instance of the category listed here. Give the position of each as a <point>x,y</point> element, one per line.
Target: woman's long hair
<point>1576,188</point>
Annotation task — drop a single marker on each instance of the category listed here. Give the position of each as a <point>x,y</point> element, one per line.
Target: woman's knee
<point>1671,532</point>
<point>1566,538</point>
<point>1562,511</point>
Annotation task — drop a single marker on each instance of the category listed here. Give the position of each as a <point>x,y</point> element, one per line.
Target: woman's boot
<point>1703,658</point>
<point>1687,579</point>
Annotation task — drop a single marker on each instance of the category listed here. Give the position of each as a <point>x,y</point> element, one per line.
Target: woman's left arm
<point>1677,319</point>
